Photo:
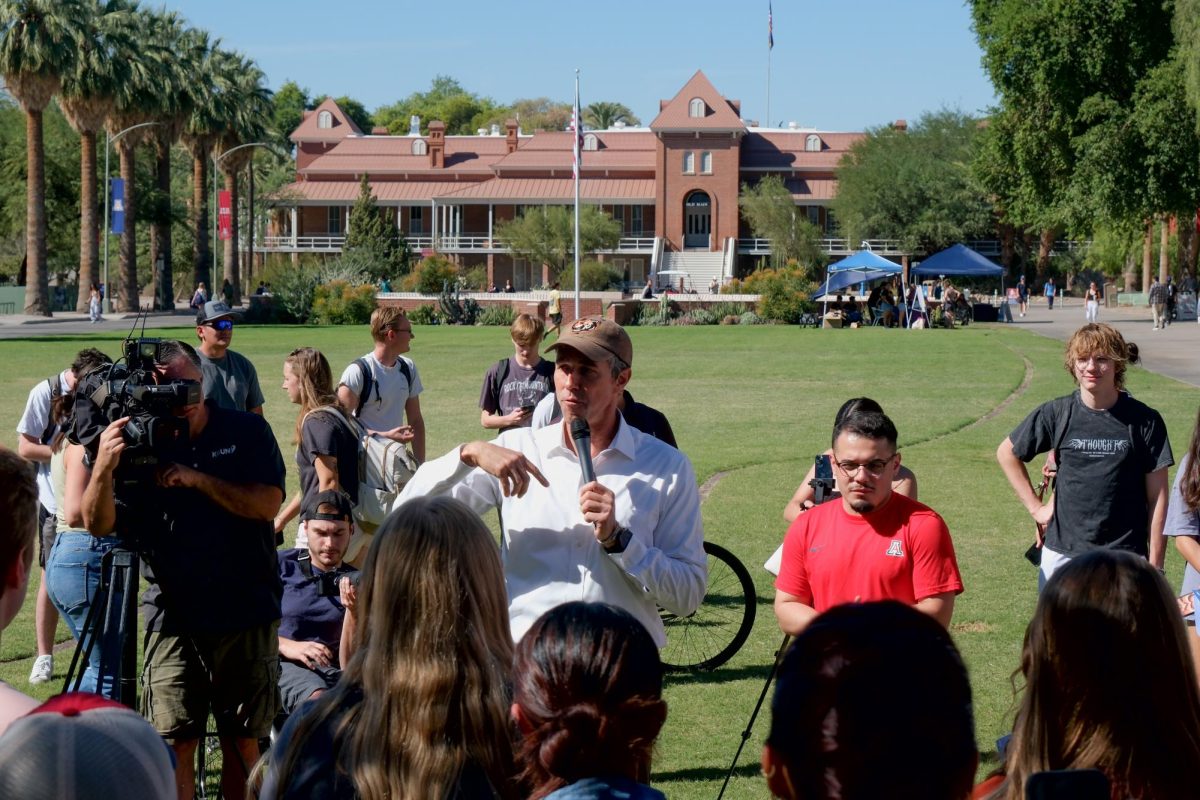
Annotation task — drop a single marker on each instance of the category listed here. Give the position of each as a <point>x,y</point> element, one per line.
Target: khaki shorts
<point>233,675</point>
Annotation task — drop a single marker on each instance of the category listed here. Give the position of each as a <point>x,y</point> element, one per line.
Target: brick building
<point>672,186</point>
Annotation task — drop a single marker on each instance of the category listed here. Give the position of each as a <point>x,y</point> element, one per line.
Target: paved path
<point>19,326</point>
<point>1173,351</point>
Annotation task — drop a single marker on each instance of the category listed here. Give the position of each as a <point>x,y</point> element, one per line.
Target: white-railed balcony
<point>460,243</point>
<point>891,247</point>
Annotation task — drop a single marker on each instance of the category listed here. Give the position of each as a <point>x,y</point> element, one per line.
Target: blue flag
<point>117,213</point>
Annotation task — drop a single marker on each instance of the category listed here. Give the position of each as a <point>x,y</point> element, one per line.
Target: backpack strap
<point>56,391</point>
<point>368,382</point>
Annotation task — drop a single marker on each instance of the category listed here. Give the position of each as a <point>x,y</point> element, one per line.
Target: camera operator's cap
<point>597,339</point>
<point>215,309</point>
<point>80,746</point>
<point>333,497</point>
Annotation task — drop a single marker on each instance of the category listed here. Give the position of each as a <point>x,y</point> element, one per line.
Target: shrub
<point>593,276</point>
<point>341,303</point>
<point>498,315</point>
<point>423,315</point>
<point>476,279</point>
<point>430,274</point>
<point>750,318</point>
<point>293,290</point>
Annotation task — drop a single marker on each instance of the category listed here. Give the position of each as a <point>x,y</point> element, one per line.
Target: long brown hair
<point>311,368</point>
<point>589,689</point>
<point>1189,484</point>
<point>433,661</point>
<point>1109,683</point>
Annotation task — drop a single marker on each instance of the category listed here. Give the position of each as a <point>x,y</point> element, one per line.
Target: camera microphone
<point>581,433</point>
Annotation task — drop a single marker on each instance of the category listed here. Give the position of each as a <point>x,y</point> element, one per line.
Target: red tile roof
<point>784,150</point>
<point>383,155</point>
<point>556,190</point>
<point>620,151</point>
<point>342,127</point>
<point>346,192</point>
<point>719,114</point>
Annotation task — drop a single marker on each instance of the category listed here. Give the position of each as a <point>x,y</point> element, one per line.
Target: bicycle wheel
<point>707,638</point>
<point>208,764</point>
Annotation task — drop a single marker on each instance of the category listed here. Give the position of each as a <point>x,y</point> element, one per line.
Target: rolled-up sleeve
<point>449,476</point>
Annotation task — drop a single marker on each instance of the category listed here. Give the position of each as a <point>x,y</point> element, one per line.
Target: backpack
<point>498,376</point>
<point>369,380</point>
<point>384,466</point>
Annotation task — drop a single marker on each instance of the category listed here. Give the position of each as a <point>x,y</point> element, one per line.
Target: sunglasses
<point>221,324</point>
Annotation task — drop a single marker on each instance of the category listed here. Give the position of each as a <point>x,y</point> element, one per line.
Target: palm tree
<point>199,136</point>
<point>602,116</point>
<point>87,97</point>
<point>248,107</point>
<point>38,45</point>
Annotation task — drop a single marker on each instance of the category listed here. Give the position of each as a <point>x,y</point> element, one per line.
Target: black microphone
<point>581,433</point>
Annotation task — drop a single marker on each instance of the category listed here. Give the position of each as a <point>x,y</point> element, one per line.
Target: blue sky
<point>835,66</point>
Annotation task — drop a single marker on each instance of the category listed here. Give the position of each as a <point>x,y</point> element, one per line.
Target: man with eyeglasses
<point>1111,454</point>
<point>869,544</point>
<point>230,379</point>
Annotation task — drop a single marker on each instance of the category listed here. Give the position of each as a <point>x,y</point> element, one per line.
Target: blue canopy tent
<point>862,262</point>
<point>958,260</point>
<point>845,278</point>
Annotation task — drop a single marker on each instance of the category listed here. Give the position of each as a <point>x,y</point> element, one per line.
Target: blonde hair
<point>385,318</point>
<point>432,661</point>
<point>1096,338</point>
<point>311,369</point>
<point>527,330</point>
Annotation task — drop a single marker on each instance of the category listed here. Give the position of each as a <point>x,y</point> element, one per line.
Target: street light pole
<point>108,142</point>
<point>216,210</point>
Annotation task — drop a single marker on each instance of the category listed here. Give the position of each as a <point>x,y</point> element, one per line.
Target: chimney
<point>900,125</point>
<point>495,129</point>
<point>511,132</point>
<point>437,144</point>
<point>414,125</point>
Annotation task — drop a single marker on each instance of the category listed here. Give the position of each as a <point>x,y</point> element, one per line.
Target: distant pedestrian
<point>1050,290</point>
<point>1170,290</point>
<point>1091,302</point>
<point>508,287</point>
<point>1022,296</point>
<point>1157,299</point>
<point>227,292</point>
<point>200,297</point>
<point>554,309</point>
<point>94,305</point>
<point>714,286</point>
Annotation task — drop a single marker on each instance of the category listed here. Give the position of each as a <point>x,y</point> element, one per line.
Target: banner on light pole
<point>225,215</point>
<point>117,213</point>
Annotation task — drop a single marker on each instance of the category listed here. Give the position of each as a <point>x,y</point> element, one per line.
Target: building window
<point>590,141</point>
<point>637,271</point>
<point>419,148</point>
<point>706,163</point>
<point>416,220</point>
<point>689,163</point>
<point>831,225</point>
<point>618,214</point>
<point>813,143</point>
<point>814,215</point>
<point>324,120</point>
<point>696,107</point>
<point>635,221</point>
<point>333,221</point>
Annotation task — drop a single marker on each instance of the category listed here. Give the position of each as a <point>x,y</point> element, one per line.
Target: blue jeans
<point>72,579</point>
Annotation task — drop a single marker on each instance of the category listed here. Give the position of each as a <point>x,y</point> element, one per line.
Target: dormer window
<point>419,148</point>
<point>696,107</point>
<point>324,120</point>
<point>813,143</point>
<point>591,142</point>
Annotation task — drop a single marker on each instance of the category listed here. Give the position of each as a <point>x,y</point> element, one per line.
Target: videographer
<point>212,606</point>
<point>311,628</point>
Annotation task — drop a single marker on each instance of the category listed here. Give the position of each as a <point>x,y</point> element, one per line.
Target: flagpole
<point>577,128</point>
<point>770,47</point>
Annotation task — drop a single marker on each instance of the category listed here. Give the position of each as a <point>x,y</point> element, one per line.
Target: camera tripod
<point>111,625</point>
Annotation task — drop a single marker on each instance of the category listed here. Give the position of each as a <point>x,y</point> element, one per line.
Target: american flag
<point>770,27</point>
<point>577,128</point>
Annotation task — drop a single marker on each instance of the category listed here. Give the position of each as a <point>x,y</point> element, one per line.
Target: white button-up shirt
<point>550,551</point>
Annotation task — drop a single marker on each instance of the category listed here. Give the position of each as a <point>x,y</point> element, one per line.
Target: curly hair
<point>1096,338</point>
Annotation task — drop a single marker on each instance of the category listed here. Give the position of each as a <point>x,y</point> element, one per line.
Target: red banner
<point>225,215</point>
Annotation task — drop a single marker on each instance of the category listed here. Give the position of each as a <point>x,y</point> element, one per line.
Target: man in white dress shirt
<point>632,537</point>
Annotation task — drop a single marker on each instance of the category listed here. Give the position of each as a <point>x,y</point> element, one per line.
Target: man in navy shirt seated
<point>311,628</point>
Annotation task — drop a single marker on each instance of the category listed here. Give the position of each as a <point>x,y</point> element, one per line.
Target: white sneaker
<point>43,670</point>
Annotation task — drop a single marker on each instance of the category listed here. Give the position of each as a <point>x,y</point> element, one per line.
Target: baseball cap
<point>596,338</point>
<point>338,499</point>
<point>80,746</point>
<point>215,309</point>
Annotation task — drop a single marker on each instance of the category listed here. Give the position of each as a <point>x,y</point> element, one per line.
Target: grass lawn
<point>752,405</point>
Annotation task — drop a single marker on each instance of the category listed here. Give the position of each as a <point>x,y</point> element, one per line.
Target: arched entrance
<point>697,220</point>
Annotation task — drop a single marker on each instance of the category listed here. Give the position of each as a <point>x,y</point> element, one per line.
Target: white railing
<point>829,246</point>
<point>309,243</point>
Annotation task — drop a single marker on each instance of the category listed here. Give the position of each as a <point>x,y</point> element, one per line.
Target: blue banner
<point>117,214</point>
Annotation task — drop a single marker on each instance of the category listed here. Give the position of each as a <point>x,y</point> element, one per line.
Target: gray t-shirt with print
<point>1103,459</point>
<point>506,390</point>
<point>1183,521</point>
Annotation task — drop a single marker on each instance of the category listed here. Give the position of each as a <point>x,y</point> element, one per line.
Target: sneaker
<point>43,670</point>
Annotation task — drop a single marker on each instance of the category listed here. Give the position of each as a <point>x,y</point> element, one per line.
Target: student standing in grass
<point>513,386</point>
<point>1112,456</point>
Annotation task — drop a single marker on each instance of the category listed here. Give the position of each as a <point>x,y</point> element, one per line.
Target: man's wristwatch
<point>617,541</point>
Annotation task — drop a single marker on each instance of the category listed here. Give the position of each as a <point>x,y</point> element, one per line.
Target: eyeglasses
<point>221,324</point>
<point>874,468</point>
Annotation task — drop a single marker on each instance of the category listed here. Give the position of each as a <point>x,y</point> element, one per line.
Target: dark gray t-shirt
<point>231,382</point>
<point>1103,459</point>
<point>323,434</point>
<point>522,386</point>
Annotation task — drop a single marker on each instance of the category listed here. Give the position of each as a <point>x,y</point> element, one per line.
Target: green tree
<point>770,210</point>
<point>541,114</point>
<point>547,235</point>
<point>373,241</point>
<point>288,103</point>
<point>602,115</point>
<point>916,186</point>
<point>463,112</point>
<point>200,135</point>
<point>38,46</point>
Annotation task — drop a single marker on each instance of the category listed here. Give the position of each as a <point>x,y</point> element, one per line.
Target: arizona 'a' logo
<point>895,549</point>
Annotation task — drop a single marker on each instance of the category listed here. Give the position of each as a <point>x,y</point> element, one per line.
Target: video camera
<point>132,388</point>
<point>327,582</point>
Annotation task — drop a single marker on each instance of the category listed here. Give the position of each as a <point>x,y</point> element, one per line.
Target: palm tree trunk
<point>89,229</point>
<point>231,244</point>
<point>37,280</point>
<point>164,290</point>
<point>201,253</point>
<point>129,278</point>
<point>1164,257</point>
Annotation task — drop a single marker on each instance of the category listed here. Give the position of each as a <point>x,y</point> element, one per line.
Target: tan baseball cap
<point>597,339</point>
